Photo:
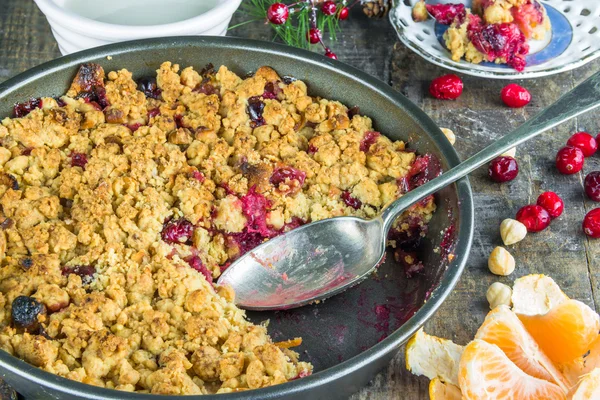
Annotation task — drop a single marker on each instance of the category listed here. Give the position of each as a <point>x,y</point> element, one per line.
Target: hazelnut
<point>501,262</point>
<point>498,294</point>
<point>510,153</point>
<point>449,135</point>
<point>512,231</point>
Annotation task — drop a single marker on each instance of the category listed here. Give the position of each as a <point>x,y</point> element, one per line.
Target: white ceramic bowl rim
<point>89,27</point>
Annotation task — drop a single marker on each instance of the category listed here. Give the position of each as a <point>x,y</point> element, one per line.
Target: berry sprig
<point>302,23</point>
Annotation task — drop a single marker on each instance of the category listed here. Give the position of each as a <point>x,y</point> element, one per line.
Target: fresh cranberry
<point>515,96</point>
<point>591,223</point>
<point>368,140</point>
<point>153,112</point>
<point>287,175</point>
<point>196,263</point>
<point>330,54</point>
<point>22,109</point>
<point>329,7</point>
<point>344,13</point>
<point>350,200</point>
<point>85,272</point>
<point>177,231</point>
<point>447,87</point>
<point>445,14</point>
<point>149,87</point>
<point>313,35</point>
<point>569,160</point>
<point>79,160</point>
<point>534,217</point>
<point>592,185</point>
<point>503,169</point>
<point>278,13</point>
<point>255,110</point>
<point>584,142</point>
<point>550,202</point>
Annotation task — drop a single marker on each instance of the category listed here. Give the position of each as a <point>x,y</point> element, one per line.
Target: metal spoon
<point>321,259</point>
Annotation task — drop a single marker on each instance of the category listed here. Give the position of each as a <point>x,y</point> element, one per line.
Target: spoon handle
<point>583,98</point>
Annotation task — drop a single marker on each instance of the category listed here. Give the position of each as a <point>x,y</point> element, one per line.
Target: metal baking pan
<point>350,337</point>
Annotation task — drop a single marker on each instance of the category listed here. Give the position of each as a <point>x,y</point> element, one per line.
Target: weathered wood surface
<point>477,117</point>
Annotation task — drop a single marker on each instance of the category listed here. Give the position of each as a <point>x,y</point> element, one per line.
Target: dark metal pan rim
<point>391,343</point>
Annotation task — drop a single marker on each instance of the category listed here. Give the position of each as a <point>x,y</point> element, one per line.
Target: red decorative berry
<point>313,35</point>
<point>585,142</point>
<point>447,87</point>
<point>330,54</point>
<point>344,13</point>
<point>177,231</point>
<point>328,8</point>
<point>534,217</point>
<point>591,223</point>
<point>278,13</point>
<point>569,160</point>
<point>550,202</point>
<point>503,169</point>
<point>592,185</point>
<point>515,96</point>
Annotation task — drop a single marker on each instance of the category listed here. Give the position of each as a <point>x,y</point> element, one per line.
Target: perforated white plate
<point>575,40</point>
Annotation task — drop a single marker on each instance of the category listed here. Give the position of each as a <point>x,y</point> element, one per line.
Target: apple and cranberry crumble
<point>494,30</point>
<point>123,200</point>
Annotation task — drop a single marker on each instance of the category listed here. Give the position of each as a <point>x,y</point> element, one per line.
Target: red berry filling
<point>503,169</point>
<point>534,217</point>
<point>424,169</point>
<point>550,202</point>
<point>569,160</point>
<point>591,223</point>
<point>312,149</point>
<point>515,96</point>
<point>528,17</point>
<point>592,185</point>
<point>149,87</point>
<point>368,140</point>
<point>255,110</point>
<point>584,142</point>
<point>291,177</point>
<point>350,200</point>
<point>177,231</point>
<point>447,87</point>
<point>153,112</point>
<point>22,109</point>
<point>446,14</point>
<point>79,160</point>
<point>196,263</point>
<point>413,229</point>
<point>272,91</point>
<point>409,261</point>
<point>85,272</point>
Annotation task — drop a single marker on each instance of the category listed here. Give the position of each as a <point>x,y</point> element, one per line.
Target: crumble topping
<point>123,200</point>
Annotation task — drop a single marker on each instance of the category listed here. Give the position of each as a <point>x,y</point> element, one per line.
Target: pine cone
<point>376,8</point>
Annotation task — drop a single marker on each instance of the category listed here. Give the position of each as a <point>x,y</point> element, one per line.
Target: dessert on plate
<point>123,200</point>
<point>493,30</point>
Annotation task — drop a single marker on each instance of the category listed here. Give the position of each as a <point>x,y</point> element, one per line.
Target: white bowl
<point>74,32</point>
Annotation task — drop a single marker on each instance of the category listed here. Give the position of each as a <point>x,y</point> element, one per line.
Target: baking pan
<point>352,336</point>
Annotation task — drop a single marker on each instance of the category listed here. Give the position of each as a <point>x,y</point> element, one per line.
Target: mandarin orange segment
<point>565,332</point>
<point>583,365</point>
<point>589,388</point>
<point>503,328</point>
<point>440,390</point>
<point>486,373</point>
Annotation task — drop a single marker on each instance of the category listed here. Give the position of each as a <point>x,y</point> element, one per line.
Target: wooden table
<point>477,117</point>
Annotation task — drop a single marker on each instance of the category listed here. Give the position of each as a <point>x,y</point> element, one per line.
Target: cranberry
<point>312,149</point>
<point>584,142</point>
<point>447,87</point>
<point>272,90</point>
<point>503,169</point>
<point>278,13</point>
<point>177,230</point>
<point>330,54</point>
<point>424,169</point>
<point>534,217</point>
<point>197,175</point>
<point>515,96</point>
<point>254,207</point>
<point>96,97</point>
<point>85,272</point>
<point>569,160</point>
<point>206,88</point>
<point>329,7</point>
<point>196,263</point>
<point>79,160</point>
<point>592,185</point>
<point>149,87</point>
<point>591,223</point>
<point>499,41</point>
<point>255,110</point>
<point>25,311</point>
<point>550,202</point>
<point>351,201</point>
<point>445,14</point>
<point>368,140</point>
<point>313,35</point>
<point>344,13</point>
<point>153,112</point>
<point>287,175</point>
<point>22,109</point>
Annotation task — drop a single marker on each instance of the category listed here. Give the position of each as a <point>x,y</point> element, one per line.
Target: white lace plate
<point>575,40</point>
